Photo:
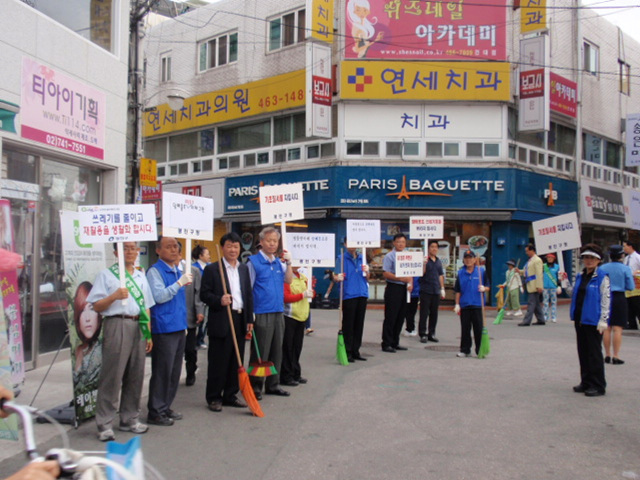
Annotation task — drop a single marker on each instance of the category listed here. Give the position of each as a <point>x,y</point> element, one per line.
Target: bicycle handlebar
<point>24,413</point>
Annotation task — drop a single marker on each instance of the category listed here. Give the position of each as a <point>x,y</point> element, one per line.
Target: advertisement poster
<point>8,426</point>
<point>82,263</point>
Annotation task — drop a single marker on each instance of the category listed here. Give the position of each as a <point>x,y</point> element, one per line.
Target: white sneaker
<point>406,333</point>
<point>553,321</point>
<point>106,435</point>
<point>508,312</point>
<point>413,334</point>
<point>518,313</point>
<point>462,355</point>
<point>137,427</point>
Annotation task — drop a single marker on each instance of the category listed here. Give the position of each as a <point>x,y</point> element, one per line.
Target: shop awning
<point>465,215</point>
<point>255,216</point>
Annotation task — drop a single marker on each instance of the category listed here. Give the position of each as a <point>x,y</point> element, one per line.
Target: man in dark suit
<point>222,380</point>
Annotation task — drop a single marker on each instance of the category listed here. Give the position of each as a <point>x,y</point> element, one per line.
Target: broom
<point>341,351</point>
<point>243,379</point>
<point>485,348</point>
<point>261,368</point>
<point>502,311</point>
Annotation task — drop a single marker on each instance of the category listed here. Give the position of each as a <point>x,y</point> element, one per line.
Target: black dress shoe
<point>523,324</point>
<point>174,415</point>
<point>389,349</point>
<point>258,395</point>
<point>433,339</point>
<point>580,388</point>
<point>540,323</point>
<point>234,402</point>
<point>592,392</point>
<point>161,420</point>
<point>277,391</point>
<point>400,347</point>
<point>191,379</point>
<point>359,357</point>
<point>607,359</point>
<point>617,361</point>
<point>215,406</point>
<point>423,339</point>
<point>289,383</point>
<point>301,380</point>
<point>350,359</point>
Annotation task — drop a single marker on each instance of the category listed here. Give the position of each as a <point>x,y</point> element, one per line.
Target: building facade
<point>63,113</point>
<point>427,114</point>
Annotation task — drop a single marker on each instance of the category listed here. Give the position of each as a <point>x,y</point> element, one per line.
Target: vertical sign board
<point>363,233</point>
<point>9,425</point>
<point>319,20</point>
<point>312,249</point>
<point>148,173</point>
<point>534,102</point>
<point>634,209</point>
<point>533,16</point>
<point>319,90</point>
<point>633,140</point>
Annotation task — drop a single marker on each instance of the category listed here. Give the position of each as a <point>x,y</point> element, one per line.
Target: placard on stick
<point>423,226</point>
<point>409,263</point>
<point>555,234</point>
<point>281,203</point>
<point>312,249</point>
<point>363,233</point>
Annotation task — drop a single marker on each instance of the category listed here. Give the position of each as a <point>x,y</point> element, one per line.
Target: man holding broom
<point>222,378</point>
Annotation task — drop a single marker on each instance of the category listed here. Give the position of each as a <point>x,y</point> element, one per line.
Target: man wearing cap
<point>469,289</point>
<point>534,283</point>
<point>632,260</point>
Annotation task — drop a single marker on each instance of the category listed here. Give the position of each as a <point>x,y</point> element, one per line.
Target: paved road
<point>420,414</point>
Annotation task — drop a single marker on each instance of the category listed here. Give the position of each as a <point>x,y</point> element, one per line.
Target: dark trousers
<point>470,318</point>
<point>410,316</point>
<point>353,312</point>
<point>534,306</point>
<point>291,349</point>
<point>166,367</point>
<point>589,342</point>
<point>191,351</point>
<point>395,308</point>
<point>429,304</point>
<point>634,312</point>
<point>268,329</point>
<point>222,371</point>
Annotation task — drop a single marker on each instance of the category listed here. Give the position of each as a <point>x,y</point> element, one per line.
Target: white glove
<point>339,277</point>
<point>185,279</point>
<point>365,268</point>
<point>521,290</point>
<point>308,293</point>
<point>602,326</point>
<point>559,290</point>
<point>286,256</point>
<point>326,295</point>
<point>442,293</point>
<point>457,309</point>
<point>482,288</point>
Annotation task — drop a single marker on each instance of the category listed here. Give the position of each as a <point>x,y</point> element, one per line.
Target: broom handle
<point>482,293</point>
<point>255,342</point>
<point>341,283</point>
<point>224,289</point>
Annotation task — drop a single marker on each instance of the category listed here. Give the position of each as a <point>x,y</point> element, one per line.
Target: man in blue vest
<point>168,325</point>
<point>268,275</point>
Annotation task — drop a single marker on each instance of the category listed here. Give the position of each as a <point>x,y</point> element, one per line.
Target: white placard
<point>280,203</point>
<point>187,216</point>
<point>117,223</point>
<point>363,233</point>
<point>312,249</point>
<point>634,209</point>
<point>423,226</point>
<point>556,234</point>
<point>633,140</point>
<point>409,264</point>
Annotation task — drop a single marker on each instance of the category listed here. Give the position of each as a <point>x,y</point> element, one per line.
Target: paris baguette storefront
<point>489,210</point>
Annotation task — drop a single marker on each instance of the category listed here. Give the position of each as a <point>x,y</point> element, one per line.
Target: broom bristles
<point>341,351</point>
<point>248,394</point>
<point>485,348</point>
<point>499,318</point>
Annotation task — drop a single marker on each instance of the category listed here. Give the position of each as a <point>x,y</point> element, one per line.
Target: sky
<point>626,18</point>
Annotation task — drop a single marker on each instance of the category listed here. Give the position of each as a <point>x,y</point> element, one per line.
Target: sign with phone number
<point>242,101</point>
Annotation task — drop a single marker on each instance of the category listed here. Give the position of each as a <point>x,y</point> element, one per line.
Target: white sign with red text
<point>117,223</point>
<point>363,233</point>
<point>426,227</point>
<point>555,234</point>
<point>409,263</point>
<point>187,216</point>
<point>281,203</point>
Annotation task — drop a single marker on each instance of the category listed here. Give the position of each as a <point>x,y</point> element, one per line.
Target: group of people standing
<point>266,297</point>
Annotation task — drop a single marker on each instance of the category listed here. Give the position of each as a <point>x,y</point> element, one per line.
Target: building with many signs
<point>63,111</point>
<point>488,115</point>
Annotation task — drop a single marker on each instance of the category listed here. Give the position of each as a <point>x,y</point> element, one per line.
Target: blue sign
<point>413,188</point>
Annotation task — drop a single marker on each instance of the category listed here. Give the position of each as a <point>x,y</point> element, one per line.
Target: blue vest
<point>170,316</point>
<point>268,288</point>
<point>591,306</point>
<point>355,284</point>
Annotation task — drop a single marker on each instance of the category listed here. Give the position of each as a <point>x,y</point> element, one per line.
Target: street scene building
<point>488,115</point>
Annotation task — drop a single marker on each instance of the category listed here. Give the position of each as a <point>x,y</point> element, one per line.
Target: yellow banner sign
<point>320,22</point>
<point>373,80</point>
<point>533,16</point>
<point>148,173</point>
<point>268,95</point>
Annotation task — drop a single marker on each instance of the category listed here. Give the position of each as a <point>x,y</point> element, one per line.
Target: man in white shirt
<point>633,297</point>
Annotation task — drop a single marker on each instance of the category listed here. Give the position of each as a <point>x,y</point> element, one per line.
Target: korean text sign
<point>320,20</point>
<point>312,249</point>
<point>481,81</point>
<point>280,203</point>
<point>62,112</point>
<point>533,16</point>
<point>564,95</point>
<point>409,264</point>
<point>432,30</point>
<point>426,227</point>
<point>363,233</point>
<point>187,216</point>
<point>633,140</point>
<point>117,223</point>
<point>557,233</point>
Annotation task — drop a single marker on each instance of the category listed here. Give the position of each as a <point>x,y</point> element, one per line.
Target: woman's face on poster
<point>89,322</point>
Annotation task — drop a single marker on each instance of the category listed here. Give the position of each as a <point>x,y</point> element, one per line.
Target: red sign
<point>532,83</point>
<point>321,91</point>
<point>564,95</point>
<point>195,190</point>
<point>150,194</point>
<point>432,30</point>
